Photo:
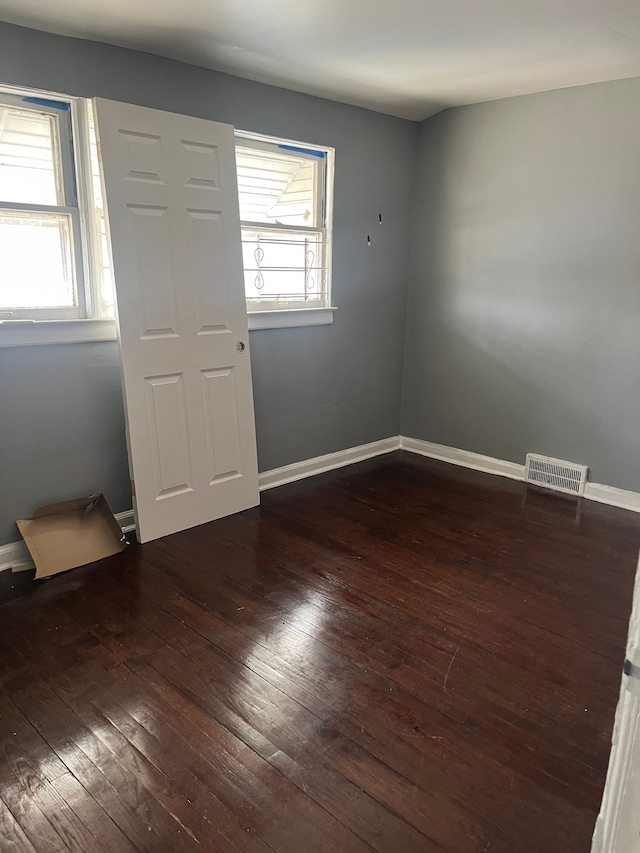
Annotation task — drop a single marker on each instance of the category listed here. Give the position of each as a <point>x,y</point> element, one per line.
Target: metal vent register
<point>555,474</point>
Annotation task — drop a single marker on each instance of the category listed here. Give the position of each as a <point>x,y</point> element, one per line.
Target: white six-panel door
<point>172,208</point>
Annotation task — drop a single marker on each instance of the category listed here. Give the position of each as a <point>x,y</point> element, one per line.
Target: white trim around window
<point>289,318</point>
<point>19,334</point>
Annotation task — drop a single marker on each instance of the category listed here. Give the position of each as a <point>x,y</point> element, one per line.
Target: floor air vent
<point>555,474</point>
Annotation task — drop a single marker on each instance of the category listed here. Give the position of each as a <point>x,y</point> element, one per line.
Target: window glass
<point>282,265</point>
<point>277,187</point>
<point>42,273</point>
<point>28,158</point>
<point>37,261</point>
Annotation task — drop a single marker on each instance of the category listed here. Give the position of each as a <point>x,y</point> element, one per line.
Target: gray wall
<point>316,390</point>
<point>61,428</point>
<point>523,324</point>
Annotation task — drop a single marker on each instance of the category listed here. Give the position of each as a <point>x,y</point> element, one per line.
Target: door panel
<point>158,299</point>
<point>172,209</point>
<point>169,434</point>
<point>202,165</point>
<point>221,406</point>
<point>207,245</point>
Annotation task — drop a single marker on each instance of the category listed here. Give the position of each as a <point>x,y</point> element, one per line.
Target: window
<point>53,243</point>
<point>50,223</point>
<point>285,212</point>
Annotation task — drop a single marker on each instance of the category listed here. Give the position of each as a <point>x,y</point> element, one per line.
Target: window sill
<point>14,333</point>
<point>290,317</point>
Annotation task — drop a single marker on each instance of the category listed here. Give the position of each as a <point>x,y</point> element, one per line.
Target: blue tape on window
<point>43,102</point>
<point>313,152</point>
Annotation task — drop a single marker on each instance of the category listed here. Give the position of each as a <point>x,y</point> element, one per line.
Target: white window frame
<point>51,326</point>
<point>276,315</point>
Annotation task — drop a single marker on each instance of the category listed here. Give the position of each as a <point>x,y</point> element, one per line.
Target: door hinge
<point>631,677</point>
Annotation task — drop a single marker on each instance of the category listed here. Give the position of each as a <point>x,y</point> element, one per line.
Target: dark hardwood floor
<point>398,656</point>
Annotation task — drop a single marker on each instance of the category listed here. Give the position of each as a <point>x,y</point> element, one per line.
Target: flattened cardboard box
<point>69,534</point>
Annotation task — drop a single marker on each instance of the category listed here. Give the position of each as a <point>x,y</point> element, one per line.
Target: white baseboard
<point>311,467</point>
<point>16,554</point>
<point>465,458</point>
<point>593,491</point>
<point>612,496</point>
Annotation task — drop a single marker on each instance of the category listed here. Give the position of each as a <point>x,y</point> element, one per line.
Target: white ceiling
<point>408,58</point>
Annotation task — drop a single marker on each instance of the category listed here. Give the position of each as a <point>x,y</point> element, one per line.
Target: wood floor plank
<point>105,832</point>
<point>396,656</point>
<point>545,737</point>
<point>151,793</point>
<point>329,789</point>
<point>19,740</point>
<point>13,838</point>
<point>33,822</point>
<point>206,768</point>
<point>260,712</point>
<point>119,796</point>
<point>72,831</point>
<point>535,802</point>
